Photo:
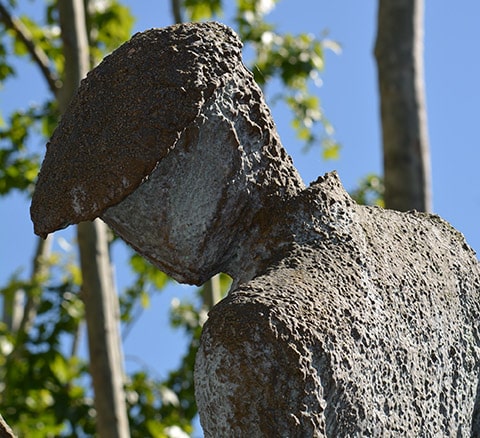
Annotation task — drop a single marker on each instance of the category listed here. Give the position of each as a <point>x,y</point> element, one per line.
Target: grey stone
<point>343,320</point>
<point>366,326</point>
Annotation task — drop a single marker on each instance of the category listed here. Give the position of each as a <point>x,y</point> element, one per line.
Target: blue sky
<point>350,101</point>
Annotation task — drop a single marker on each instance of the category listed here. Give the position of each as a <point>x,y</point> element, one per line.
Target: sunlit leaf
<point>370,191</point>
<point>330,149</point>
<point>60,368</point>
<point>145,300</point>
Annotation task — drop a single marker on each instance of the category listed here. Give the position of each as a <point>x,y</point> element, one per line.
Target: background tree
<point>399,55</point>
<point>98,292</point>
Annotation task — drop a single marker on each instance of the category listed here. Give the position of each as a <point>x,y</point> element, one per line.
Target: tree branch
<point>37,54</point>
<point>5,430</point>
<point>40,270</point>
<point>177,11</point>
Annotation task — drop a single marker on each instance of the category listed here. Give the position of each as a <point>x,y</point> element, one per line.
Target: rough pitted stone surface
<point>368,326</point>
<point>129,113</point>
<point>221,169</point>
<point>343,321</point>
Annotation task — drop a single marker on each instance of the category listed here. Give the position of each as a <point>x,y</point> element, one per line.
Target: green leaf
<point>156,429</point>
<point>60,368</point>
<point>145,300</point>
<point>18,173</point>
<point>202,9</point>
<point>148,271</point>
<point>370,191</point>
<point>111,25</point>
<point>330,149</point>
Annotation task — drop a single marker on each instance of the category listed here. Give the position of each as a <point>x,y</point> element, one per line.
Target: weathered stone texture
<point>131,111</point>
<point>343,321</point>
<point>221,170</point>
<point>367,327</point>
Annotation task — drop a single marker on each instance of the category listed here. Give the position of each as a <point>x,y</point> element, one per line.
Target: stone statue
<point>343,320</point>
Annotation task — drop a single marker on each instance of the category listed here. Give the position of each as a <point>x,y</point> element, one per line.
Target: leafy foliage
<point>136,297</point>
<point>18,165</point>
<point>43,390</point>
<point>202,9</point>
<point>109,24</point>
<point>156,406</point>
<point>297,60</point>
<point>44,36</point>
<point>6,68</point>
<point>369,191</point>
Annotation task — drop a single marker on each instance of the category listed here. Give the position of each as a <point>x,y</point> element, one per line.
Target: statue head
<point>170,142</point>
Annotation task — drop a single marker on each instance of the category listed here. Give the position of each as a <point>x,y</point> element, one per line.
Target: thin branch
<point>177,11</point>
<point>37,54</point>
<point>5,430</point>
<point>39,271</point>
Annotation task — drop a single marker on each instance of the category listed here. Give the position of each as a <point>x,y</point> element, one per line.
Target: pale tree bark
<point>102,315</point>
<point>5,430</point>
<point>98,291</point>
<point>399,55</point>
<point>212,292</point>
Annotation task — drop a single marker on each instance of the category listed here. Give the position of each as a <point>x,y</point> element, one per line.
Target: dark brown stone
<point>126,116</point>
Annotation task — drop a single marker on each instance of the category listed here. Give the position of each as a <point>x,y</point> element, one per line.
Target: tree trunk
<point>176,6</point>
<point>212,292</point>
<point>102,315</point>
<point>98,291</point>
<point>399,55</point>
<point>5,430</point>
